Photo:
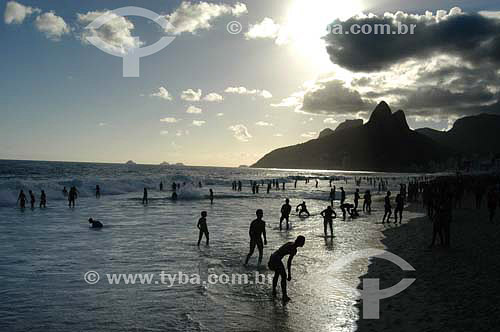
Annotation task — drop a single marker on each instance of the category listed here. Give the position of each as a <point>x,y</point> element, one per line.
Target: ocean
<point>46,253</point>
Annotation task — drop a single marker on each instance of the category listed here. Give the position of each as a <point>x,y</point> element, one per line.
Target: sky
<point>240,79</point>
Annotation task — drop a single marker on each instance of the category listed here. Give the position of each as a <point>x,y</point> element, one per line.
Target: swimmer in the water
<point>275,264</point>
<point>257,230</point>
<point>303,209</point>
<point>95,223</point>
<point>202,226</point>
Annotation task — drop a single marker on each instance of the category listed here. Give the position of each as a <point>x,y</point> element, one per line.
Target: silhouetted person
<point>367,202</point>
<point>97,191</point>
<point>332,195</point>
<point>356,199</point>
<point>348,208</point>
<point>256,232</point>
<point>302,209</point>
<point>202,226</point>
<point>268,187</point>
<point>211,196</point>
<point>285,213</point>
<point>95,223</point>
<point>275,264</point>
<point>161,185</point>
<point>342,195</point>
<point>492,203</point>
<point>387,207</point>
<point>400,204</point>
<point>21,200</point>
<point>174,186</point>
<point>283,188</point>
<point>328,214</point>
<point>43,200</point>
<point>317,183</point>
<point>72,196</point>
<point>32,199</point>
<point>145,197</point>
<point>65,192</point>
<point>174,196</point>
<point>200,185</point>
<point>295,184</point>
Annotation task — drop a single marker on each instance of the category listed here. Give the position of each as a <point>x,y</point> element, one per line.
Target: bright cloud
<point>267,29</point>
<point>220,114</point>
<point>170,120</point>
<point>240,132</point>
<point>241,90</point>
<point>213,97</point>
<point>330,121</point>
<point>191,95</point>
<point>191,17</point>
<point>311,134</point>
<point>194,110</point>
<point>116,35</point>
<point>198,123</point>
<point>15,13</point>
<point>164,132</point>
<point>51,25</point>
<point>264,124</point>
<point>162,93</point>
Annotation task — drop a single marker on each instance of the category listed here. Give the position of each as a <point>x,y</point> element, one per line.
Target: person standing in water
<point>303,209</point>
<point>21,200</point>
<point>161,185</point>
<point>367,202</point>
<point>332,195</point>
<point>285,213</point>
<point>97,191</point>
<point>145,197</point>
<point>43,200</point>
<point>32,199</point>
<point>65,192</point>
<point>275,264</point>
<point>202,226</point>
<point>400,203</point>
<point>257,230</point>
<point>388,207</point>
<point>211,196</point>
<point>356,199</point>
<point>73,194</point>
<point>342,195</point>
<point>328,214</point>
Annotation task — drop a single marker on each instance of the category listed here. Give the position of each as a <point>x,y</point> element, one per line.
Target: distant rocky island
<point>164,163</point>
<point>131,162</point>
<point>386,144</point>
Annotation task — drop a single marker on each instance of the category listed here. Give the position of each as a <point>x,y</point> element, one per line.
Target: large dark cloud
<point>333,97</point>
<point>472,37</point>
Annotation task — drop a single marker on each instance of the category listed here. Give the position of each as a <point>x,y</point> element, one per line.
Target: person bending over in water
<point>285,213</point>
<point>22,200</point>
<point>303,209</point>
<point>95,223</point>
<point>257,230</point>
<point>275,264</point>
<point>43,200</point>
<point>348,208</point>
<point>388,207</point>
<point>328,214</point>
<point>202,226</point>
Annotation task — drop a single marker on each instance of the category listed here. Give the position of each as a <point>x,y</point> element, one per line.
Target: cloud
<point>264,124</point>
<point>170,120</point>
<point>116,35</point>
<point>240,132</point>
<point>311,134</point>
<point>162,93</point>
<point>244,91</point>
<point>181,132</point>
<point>330,121</point>
<point>473,37</point>
<point>292,101</point>
<point>332,97</point>
<point>102,124</point>
<point>52,26</point>
<point>164,132</point>
<point>213,97</point>
<point>192,17</point>
<point>15,13</point>
<point>267,29</point>
<point>191,95</point>
<point>278,135</point>
<point>220,114</point>
<point>198,123</point>
<point>193,110</point>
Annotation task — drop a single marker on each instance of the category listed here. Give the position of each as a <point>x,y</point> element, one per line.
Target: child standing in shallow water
<point>202,226</point>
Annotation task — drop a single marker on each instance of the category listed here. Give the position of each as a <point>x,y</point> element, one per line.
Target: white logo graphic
<point>91,277</point>
<point>131,60</point>
<point>234,27</point>
<point>371,294</point>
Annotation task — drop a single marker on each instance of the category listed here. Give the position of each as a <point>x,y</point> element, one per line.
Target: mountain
<point>384,143</point>
<point>471,135</point>
<point>344,125</point>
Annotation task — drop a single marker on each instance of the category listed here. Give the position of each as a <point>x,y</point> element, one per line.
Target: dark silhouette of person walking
<point>275,264</point>
<point>43,200</point>
<point>367,202</point>
<point>328,214</point>
<point>72,196</point>
<point>400,204</point>
<point>211,196</point>
<point>342,195</point>
<point>202,226</point>
<point>285,213</point>
<point>387,207</point>
<point>256,232</point>
<point>145,197</point>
